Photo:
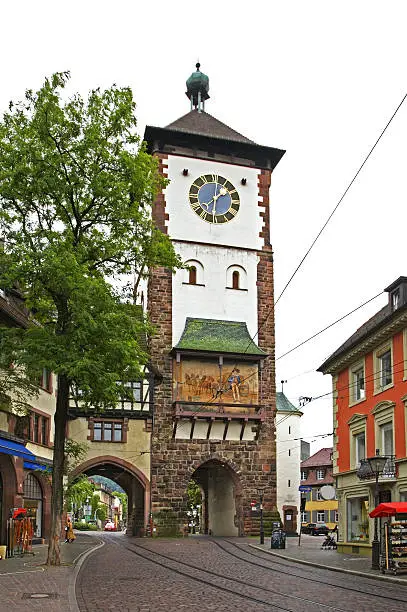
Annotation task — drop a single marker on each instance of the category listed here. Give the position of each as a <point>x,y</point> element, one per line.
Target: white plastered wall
<point>184,224</point>
<point>288,464</point>
<point>214,300</point>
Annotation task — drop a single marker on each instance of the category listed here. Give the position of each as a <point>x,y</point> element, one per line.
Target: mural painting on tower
<point>200,381</point>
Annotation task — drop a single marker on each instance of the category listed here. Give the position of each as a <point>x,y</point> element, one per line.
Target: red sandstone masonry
<point>159,214</point>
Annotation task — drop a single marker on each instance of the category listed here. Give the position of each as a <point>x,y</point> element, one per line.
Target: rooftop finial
<point>197,89</point>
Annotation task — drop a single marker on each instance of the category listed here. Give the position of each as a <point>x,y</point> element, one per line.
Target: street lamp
<point>376,465</point>
<point>260,492</point>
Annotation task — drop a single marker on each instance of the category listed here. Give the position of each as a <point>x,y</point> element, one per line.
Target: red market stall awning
<point>389,509</point>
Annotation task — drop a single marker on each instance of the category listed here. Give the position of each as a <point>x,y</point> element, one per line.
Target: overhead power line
<point>329,326</point>
<point>340,200</point>
<point>372,378</point>
<point>325,435</point>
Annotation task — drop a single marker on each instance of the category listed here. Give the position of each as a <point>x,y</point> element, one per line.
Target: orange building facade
<point>369,375</point>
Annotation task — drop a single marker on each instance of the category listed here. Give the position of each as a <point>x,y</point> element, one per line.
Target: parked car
<point>315,529</point>
<point>110,526</point>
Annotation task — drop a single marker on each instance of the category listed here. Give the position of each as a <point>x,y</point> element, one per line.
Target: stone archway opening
<point>131,481</point>
<point>219,509</point>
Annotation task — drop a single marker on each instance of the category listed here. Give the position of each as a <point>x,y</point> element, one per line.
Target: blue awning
<point>31,465</point>
<point>16,449</point>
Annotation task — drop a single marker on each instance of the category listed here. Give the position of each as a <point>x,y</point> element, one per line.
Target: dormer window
<point>395,299</point>
<point>397,293</point>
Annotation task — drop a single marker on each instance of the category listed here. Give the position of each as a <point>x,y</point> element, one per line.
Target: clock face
<point>214,198</point>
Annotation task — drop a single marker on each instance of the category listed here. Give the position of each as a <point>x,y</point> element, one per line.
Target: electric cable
<point>329,326</point>
<point>372,378</point>
<point>340,199</point>
<point>329,218</point>
<point>324,435</point>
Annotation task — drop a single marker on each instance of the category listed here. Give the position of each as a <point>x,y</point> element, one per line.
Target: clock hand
<point>222,192</point>
<point>206,204</point>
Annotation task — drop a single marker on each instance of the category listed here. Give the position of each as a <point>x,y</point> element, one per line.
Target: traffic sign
<point>304,489</point>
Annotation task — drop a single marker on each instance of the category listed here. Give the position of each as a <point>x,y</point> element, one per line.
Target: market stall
<point>393,546</point>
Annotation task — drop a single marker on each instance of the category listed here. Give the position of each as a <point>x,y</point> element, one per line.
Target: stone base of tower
<point>230,481</point>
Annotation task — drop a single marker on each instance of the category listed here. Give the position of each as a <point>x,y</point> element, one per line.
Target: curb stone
<point>77,563</point>
<point>331,567</point>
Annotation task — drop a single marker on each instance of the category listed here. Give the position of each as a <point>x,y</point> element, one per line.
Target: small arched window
<point>192,275</point>
<point>235,280</point>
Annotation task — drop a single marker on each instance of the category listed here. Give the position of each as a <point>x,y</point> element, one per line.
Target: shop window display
<point>32,493</point>
<point>358,519</point>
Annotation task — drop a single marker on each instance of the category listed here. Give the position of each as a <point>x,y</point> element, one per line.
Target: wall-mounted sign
<point>327,492</point>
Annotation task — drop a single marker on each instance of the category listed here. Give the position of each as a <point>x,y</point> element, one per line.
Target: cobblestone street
<point>226,575</point>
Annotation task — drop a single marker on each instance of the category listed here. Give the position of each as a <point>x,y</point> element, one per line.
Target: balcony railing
<point>219,410</point>
<point>365,472</point>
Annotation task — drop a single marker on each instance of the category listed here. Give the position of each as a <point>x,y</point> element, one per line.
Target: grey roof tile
<point>205,124</point>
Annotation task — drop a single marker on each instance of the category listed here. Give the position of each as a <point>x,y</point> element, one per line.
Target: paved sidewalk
<point>26,583</point>
<point>310,553</point>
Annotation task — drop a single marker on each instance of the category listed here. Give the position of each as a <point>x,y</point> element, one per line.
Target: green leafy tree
<point>77,493</point>
<point>101,512</point>
<point>94,503</point>
<point>17,389</point>
<point>76,190</point>
<point>194,494</point>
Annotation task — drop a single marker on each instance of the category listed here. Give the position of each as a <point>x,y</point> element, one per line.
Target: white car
<point>110,526</point>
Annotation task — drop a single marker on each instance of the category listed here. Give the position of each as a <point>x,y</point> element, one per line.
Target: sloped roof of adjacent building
<point>12,309</point>
<point>380,319</point>
<point>321,458</point>
<point>362,332</point>
<point>205,124</point>
<point>212,335</point>
<point>284,404</point>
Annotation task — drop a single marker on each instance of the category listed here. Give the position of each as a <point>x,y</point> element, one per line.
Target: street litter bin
<point>278,538</point>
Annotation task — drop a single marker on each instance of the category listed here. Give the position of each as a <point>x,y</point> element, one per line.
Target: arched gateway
<point>219,484</point>
<point>129,478</point>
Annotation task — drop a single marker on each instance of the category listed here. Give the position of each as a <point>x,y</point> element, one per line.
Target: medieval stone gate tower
<point>214,410</point>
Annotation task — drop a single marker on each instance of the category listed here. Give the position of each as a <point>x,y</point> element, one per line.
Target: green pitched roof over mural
<point>218,336</point>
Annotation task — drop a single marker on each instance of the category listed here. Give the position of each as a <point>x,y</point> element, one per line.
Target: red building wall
<point>393,394</point>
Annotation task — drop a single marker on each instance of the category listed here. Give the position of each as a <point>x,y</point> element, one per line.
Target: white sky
<point>317,78</point>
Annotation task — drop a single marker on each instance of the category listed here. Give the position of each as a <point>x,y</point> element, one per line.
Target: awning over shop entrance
<point>33,465</point>
<point>16,449</point>
<point>389,509</point>
<point>31,461</point>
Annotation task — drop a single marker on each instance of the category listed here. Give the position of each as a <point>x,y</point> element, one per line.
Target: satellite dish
<point>327,492</point>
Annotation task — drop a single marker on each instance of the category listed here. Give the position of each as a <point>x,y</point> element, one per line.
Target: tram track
<point>191,569</point>
<point>302,577</point>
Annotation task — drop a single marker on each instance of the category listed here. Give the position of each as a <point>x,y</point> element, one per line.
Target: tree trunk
<point>60,420</point>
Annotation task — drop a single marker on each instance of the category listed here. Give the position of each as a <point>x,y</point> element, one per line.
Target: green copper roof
<point>284,404</point>
<point>217,336</point>
<point>198,81</point>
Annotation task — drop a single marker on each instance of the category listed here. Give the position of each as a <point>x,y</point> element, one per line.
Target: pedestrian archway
<point>219,485</point>
<point>131,480</point>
